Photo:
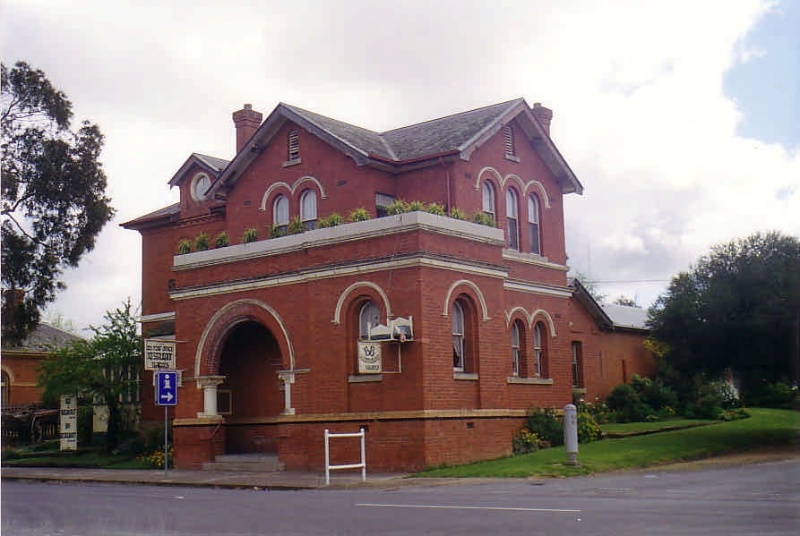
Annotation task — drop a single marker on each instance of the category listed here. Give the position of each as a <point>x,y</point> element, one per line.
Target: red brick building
<point>433,333</point>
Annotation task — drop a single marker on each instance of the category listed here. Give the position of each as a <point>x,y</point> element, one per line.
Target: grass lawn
<point>614,429</point>
<point>766,427</point>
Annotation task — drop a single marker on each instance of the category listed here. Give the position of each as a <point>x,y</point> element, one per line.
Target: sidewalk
<point>279,480</point>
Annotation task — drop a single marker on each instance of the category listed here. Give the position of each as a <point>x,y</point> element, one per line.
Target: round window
<point>200,185</point>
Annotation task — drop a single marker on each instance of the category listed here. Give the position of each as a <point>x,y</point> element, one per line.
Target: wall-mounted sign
<point>159,354</point>
<point>369,357</point>
<point>68,422</point>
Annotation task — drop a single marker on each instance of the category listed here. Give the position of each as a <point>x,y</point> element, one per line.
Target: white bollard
<point>571,433</point>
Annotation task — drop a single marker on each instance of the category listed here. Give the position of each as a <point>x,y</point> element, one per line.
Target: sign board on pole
<point>166,387</point>
<point>68,422</point>
<point>159,354</point>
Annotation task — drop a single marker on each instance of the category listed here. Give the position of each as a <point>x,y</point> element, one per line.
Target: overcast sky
<point>680,118</point>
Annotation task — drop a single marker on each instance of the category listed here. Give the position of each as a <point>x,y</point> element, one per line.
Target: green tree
<point>738,308</point>
<point>626,301</point>
<point>53,193</point>
<point>104,369</point>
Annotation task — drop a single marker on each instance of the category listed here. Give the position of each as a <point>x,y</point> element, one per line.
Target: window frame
<point>539,350</point>
<point>512,218</point>
<point>489,199</point>
<point>293,146</point>
<point>308,219</point>
<point>577,365</point>
<point>363,308</point>
<point>281,226</point>
<point>459,336</point>
<point>534,225</point>
<point>516,355</point>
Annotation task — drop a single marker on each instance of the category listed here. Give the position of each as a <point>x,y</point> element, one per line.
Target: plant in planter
<point>435,208</point>
<point>398,206</point>
<point>279,231</point>
<point>184,246</point>
<point>457,214</point>
<point>332,220</point>
<point>201,242</point>
<point>249,235</point>
<point>359,214</point>
<point>483,219</point>
<point>222,240</point>
<point>296,226</point>
<point>416,206</point>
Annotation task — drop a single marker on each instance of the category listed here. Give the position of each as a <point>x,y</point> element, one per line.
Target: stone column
<point>209,385</point>
<point>287,377</point>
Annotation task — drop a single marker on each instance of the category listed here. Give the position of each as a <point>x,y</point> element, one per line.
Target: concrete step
<point>245,463</point>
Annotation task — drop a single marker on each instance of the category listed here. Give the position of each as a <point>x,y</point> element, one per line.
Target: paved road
<point>752,499</point>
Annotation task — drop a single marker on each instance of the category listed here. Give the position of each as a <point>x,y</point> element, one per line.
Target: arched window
<point>515,349</point>
<point>539,351</point>
<point>308,209</point>
<point>5,388</point>
<point>533,224</point>
<point>487,194</point>
<point>280,214</point>
<point>512,218</point>
<point>368,317</point>
<point>293,144</point>
<point>459,357</point>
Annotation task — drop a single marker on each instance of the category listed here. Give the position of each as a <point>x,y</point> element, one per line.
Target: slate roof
<point>45,338</point>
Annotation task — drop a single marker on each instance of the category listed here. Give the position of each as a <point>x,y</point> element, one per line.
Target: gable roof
<point>211,164</point>
<point>453,136</point>
<point>610,317</point>
<point>45,338</point>
<point>153,218</point>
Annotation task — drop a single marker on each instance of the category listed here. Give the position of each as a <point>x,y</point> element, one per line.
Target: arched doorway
<point>251,392</point>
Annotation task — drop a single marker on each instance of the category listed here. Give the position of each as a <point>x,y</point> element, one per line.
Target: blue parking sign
<point>166,387</point>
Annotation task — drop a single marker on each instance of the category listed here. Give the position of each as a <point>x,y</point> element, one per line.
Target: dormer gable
<point>194,179</point>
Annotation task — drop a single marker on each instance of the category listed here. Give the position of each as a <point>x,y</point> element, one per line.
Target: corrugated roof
<point>626,317</point>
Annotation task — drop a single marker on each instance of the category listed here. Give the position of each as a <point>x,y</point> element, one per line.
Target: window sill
<point>469,376</point>
<point>364,378</point>
<point>512,158</point>
<point>579,390</point>
<point>529,381</point>
<point>290,163</point>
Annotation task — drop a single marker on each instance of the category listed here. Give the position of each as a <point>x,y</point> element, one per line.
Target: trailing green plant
<point>435,208</point>
<point>457,214</point>
<point>483,218</point>
<point>359,214</point>
<point>398,206</point>
<point>184,246</point>
<point>547,424</point>
<point>201,242</point>
<point>249,235</point>
<point>332,220</point>
<point>296,226</point>
<point>221,240</point>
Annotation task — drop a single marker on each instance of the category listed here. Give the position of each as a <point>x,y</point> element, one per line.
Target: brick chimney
<point>247,122</point>
<point>543,115</point>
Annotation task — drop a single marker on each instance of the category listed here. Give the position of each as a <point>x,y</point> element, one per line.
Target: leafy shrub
<point>249,235</point>
<point>654,393</point>
<point>184,246</point>
<point>156,458</point>
<point>333,220</point>
<point>526,441</point>
<point>416,206</point>
<point>483,218</point>
<point>201,242</point>
<point>359,214</point>
<point>599,411</point>
<point>627,405</point>
<point>772,395</point>
<point>588,429</point>
<point>279,231</point>
<point>221,240</point>
<point>547,425</point>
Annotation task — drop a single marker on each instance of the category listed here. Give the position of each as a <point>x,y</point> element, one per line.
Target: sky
<point>680,118</point>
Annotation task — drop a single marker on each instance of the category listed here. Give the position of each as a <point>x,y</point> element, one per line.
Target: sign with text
<point>159,354</point>
<point>68,422</point>
<point>369,357</point>
<point>166,387</point>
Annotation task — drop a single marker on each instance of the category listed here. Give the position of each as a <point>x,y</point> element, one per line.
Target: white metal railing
<point>328,466</point>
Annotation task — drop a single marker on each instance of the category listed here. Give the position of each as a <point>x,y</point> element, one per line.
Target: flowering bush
<point>156,458</point>
<point>526,441</point>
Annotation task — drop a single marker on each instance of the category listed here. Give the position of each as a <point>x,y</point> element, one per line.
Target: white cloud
<point>636,88</point>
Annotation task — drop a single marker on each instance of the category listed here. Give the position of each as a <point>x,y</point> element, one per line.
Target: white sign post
<point>159,354</point>
<point>68,422</point>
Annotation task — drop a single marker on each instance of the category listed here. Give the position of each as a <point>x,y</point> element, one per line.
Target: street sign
<point>166,387</point>
<point>159,354</point>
